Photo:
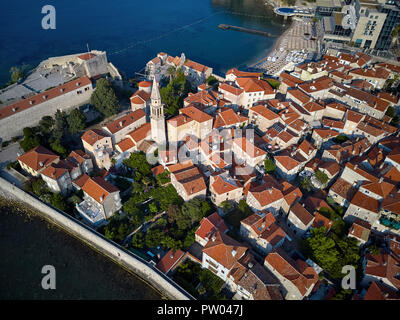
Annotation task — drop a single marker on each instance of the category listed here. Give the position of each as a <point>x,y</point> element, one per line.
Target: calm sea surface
<point>133,31</point>
<point>27,244</point>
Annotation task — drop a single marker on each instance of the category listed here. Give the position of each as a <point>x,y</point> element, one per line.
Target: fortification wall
<point>130,261</point>
<point>14,124</point>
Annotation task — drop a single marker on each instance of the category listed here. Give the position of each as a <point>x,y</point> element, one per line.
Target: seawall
<point>94,239</point>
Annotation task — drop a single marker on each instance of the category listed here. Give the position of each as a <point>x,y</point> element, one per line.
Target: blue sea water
<point>133,31</point>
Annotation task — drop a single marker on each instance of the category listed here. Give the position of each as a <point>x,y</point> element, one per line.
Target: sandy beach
<point>293,47</point>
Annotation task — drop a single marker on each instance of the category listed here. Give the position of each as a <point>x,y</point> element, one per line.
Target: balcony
<point>90,211</point>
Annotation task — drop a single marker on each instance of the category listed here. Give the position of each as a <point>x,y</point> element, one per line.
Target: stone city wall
<point>13,125</point>
<point>128,260</point>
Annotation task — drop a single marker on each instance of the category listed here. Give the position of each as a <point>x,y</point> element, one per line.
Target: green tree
<point>166,196</point>
<point>153,207</point>
<point>162,222</point>
<point>164,177</point>
<point>227,205</point>
<point>171,243</point>
<point>269,166</point>
<point>76,121</point>
<point>322,250</point>
<point>341,138</point>
<point>138,240</point>
<point>175,92</point>
<point>138,161</point>
<point>30,140</point>
<point>189,239</point>
<point>104,98</point>
<point>154,237</point>
<point>60,125</point>
<point>244,208</point>
<point>211,80</point>
<point>58,201</point>
<point>305,184</point>
<point>273,83</point>
<point>58,148</point>
<point>321,177</point>
<point>390,112</point>
<point>171,72</point>
<point>46,124</point>
<point>17,73</point>
<point>39,187</point>
<point>193,211</point>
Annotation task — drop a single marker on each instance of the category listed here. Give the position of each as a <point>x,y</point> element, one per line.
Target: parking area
<point>9,154</point>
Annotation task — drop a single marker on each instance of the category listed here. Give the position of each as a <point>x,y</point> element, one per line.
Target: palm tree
<point>171,72</point>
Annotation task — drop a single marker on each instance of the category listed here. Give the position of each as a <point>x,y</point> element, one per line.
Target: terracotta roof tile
<point>38,158</point>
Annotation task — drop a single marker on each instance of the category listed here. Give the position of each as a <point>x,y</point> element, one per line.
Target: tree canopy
<point>76,121</point>
<point>175,92</point>
<point>138,161</point>
<point>104,98</point>
<point>269,166</point>
<point>17,73</point>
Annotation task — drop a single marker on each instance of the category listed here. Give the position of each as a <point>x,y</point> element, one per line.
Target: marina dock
<point>253,31</point>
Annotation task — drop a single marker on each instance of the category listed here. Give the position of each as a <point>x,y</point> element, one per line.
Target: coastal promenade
<point>129,261</point>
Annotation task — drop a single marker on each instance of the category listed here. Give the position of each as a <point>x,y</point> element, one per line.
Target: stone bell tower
<point>157,119</point>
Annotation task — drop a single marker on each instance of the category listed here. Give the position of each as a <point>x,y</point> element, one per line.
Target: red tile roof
<point>379,291</point>
<point>360,230</point>
<point>38,158</point>
<point>43,96</point>
<point>98,189</point>
<point>225,250</point>
<point>298,272</point>
<point>81,180</point>
<point>195,114</point>
<point>125,145</point>
<point>93,135</point>
<point>301,213</point>
<point>125,121</point>
<point>86,56</point>
<point>170,261</point>
<point>363,201</point>
<point>211,224</point>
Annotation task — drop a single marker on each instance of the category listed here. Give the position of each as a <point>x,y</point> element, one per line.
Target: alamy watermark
<point>49,280</point>
<point>349,21</point>
<point>349,280</point>
<point>49,20</point>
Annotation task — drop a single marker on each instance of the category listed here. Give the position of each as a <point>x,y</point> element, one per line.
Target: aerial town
<point>260,184</point>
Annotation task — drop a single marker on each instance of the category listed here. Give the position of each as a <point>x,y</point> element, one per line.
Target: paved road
<point>9,154</point>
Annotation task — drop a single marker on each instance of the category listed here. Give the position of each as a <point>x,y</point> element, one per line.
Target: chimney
<point>233,252</point>
<point>355,166</point>
<point>101,198</point>
<point>250,265</point>
<point>213,238</point>
<point>41,163</point>
<point>31,102</point>
<point>380,180</point>
<point>120,123</point>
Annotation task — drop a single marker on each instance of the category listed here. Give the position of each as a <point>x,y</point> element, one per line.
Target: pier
<point>261,33</point>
